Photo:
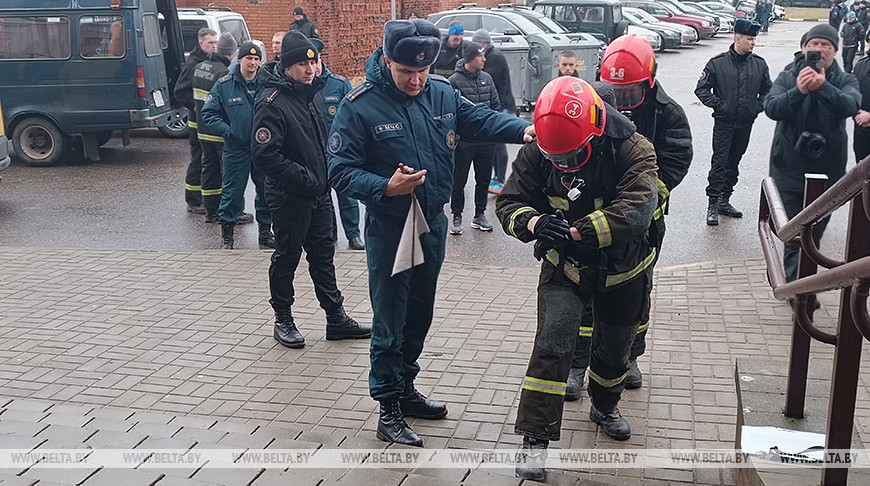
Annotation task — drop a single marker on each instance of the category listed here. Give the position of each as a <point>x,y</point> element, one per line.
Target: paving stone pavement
<point>174,350</point>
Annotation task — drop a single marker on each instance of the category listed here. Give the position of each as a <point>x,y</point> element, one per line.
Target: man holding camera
<point>810,102</point>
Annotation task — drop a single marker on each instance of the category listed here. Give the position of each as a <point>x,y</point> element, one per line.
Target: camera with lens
<point>811,144</point>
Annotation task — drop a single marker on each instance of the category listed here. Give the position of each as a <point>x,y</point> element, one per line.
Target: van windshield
<point>236,27</point>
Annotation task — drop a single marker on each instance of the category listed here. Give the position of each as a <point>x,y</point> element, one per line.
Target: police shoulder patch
<point>358,91</point>
<point>208,98</point>
<point>263,135</point>
<point>334,143</point>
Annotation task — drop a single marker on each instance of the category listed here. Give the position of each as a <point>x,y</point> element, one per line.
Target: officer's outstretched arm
<point>478,122</point>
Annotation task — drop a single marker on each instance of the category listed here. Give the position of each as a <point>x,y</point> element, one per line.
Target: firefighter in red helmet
<point>585,194</point>
<point>629,67</point>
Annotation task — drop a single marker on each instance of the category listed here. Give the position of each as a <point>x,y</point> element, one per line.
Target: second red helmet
<point>628,59</point>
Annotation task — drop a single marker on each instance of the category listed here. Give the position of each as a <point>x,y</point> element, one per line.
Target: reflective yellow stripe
<point>602,228</point>
<point>544,386</point>
<point>605,382</point>
<point>626,276</point>
<point>200,94</point>
<point>657,214</point>
<point>663,189</point>
<point>643,327</point>
<point>210,138</point>
<point>572,272</point>
<point>191,124</point>
<point>211,192</point>
<point>192,188</point>
<point>512,222</point>
<point>558,202</point>
<point>585,331</point>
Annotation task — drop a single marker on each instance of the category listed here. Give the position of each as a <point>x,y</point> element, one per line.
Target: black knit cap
<point>298,11</point>
<point>822,31</point>
<point>296,48</point>
<point>414,43</point>
<point>471,50</point>
<point>249,49</point>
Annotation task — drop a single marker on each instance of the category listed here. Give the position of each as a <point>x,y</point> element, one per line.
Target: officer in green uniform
<point>393,136</point>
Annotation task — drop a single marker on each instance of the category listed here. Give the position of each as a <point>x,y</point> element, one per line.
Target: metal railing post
<point>847,353</point>
<point>799,359</point>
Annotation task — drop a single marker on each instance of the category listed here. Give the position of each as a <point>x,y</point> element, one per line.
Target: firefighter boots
<point>392,426</point>
<point>533,459</point>
<point>339,325</point>
<point>415,404</point>
<point>713,212</point>
<point>285,330</point>
<point>611,423</point>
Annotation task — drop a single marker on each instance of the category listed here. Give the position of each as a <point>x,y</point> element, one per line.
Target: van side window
<point>102,36</point>
<point>34,38</point>
<point>594,15</point>
<point>566,13</point>
<point>152,35</point>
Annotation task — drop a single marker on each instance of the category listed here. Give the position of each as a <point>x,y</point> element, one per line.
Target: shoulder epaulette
<point>272,95</point>
<point>721,54</point>
<point>225,78</point>
<point>358,91</point>
<point>438,77</point>
<point>339,77</point>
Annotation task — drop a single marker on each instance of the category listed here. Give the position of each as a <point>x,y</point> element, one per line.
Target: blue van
<point>73,71</point>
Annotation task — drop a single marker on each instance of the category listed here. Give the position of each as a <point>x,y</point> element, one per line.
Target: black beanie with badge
<point>296,48</point>
<point>249,49</point>
<point>471,50</point>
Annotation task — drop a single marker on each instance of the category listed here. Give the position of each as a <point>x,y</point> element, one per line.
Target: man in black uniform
<point>302,24</point>
<point>586,195</point>
<point>208,40</point>
<point>628,67</point>
<point>734,84</point>
<point>289,146</point>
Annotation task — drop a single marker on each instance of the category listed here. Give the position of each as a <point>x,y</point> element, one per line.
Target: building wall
<point>351,29</point>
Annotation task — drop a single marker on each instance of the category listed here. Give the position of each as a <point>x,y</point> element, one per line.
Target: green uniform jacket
<point>618,197</point>
<point>377,127</point>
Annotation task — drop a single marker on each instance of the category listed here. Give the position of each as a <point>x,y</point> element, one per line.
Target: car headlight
<point>704,23</point>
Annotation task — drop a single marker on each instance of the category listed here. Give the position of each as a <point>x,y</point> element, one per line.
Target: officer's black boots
<point>392,426</point>
<point>285,330</point>
<point>713,212</point>
<point>611,423</point>
<point>356,243</point>
<point>726,209</point>
<point>265,236</point>
<point>634,378</point>
<point>576,378</point>
<point>533,459</point>
<point>339,325</point>
<point>227,236</point>
<point>415,404</point>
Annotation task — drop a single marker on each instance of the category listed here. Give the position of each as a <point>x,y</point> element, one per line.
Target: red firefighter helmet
<point>627,62</point>
<point>568,114</point>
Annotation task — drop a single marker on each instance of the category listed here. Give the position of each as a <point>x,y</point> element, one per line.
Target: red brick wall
<point>351,29</point>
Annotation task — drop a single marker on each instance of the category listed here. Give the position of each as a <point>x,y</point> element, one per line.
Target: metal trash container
<point>544,50</point>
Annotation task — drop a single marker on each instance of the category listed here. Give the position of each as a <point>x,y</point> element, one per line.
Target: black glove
<point>541,249</point>
<point>552,230</point>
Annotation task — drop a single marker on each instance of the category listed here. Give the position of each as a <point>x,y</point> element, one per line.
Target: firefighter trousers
<point>560,305</point>
<point>211,175</point>
<point>192,186</point>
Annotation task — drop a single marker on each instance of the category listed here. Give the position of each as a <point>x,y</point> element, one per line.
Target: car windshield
<point>641,14</point>
<point>678,9</point>
<point>526,26</point>
<point>547,24</point>
<point>633,18</point>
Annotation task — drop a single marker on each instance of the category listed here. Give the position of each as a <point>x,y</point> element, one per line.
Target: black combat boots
<point>612,423</point>
<point>392,426</point>
<point>713,211</point>
<point>533,459</point>
<point>415,404</point>
<point>726,209</point>
<point>227,236</point>
<point>285,330</point>
<point>265,236</point>
<point>339,325</point>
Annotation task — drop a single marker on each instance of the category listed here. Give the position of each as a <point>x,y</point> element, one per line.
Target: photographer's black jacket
<point>738,84</point>
<point>824,111</point>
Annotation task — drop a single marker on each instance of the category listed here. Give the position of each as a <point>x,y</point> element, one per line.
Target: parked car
<point>531,44</point>
<point>220,19</point>
<point>726,21</point>
<point>601,18</point>
<point>671,38</point>
<point>778,12</point>
<point>805,3</point>
<point>703,28</point>
<point>688,35</point>
<point>724,8</point>
<point>677,7</point>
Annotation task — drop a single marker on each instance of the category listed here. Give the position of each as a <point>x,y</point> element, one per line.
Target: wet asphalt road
<point>133,197</point>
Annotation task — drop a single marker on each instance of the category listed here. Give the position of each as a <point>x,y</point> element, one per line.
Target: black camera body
<point>811,144</point>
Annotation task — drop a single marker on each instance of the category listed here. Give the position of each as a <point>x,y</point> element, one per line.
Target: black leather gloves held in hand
<point>552,230</point>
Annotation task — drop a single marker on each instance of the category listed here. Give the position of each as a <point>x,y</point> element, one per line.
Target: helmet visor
<point>570,161</point>
<point>628,96</point>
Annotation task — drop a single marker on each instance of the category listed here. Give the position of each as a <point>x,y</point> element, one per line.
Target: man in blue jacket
<point>393,138</point>
<point>229,111</point>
